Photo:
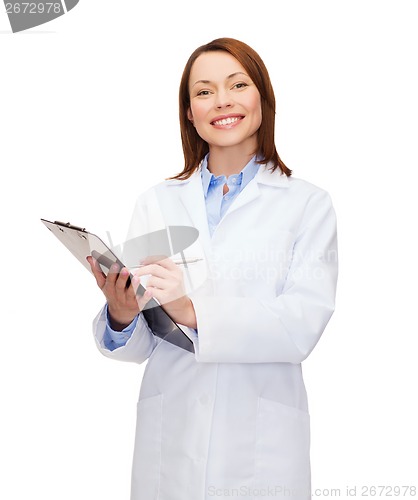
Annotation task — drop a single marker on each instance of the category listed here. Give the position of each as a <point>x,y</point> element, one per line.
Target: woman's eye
<point>203,92</point>
<point>240,85</point>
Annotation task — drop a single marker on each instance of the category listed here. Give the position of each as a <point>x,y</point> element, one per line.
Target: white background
<point>88,117</point>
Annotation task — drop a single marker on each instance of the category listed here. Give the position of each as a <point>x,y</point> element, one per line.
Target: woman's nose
<point>223,100</point>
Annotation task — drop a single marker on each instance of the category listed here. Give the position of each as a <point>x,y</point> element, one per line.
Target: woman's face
<point>225,105</point>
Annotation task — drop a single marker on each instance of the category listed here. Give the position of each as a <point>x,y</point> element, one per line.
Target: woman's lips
<point>227,122</point>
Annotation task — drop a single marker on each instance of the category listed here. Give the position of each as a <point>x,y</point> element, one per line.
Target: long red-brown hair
<point>194,147</point>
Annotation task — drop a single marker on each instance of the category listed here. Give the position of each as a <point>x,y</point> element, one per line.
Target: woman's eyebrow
<point>227,78</point>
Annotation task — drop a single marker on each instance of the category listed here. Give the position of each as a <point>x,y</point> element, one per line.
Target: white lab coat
<point>232,419</point>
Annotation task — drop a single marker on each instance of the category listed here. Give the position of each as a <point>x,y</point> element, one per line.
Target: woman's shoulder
<point>310,195</point>
<point>295,185</point>
<point>302,185</point>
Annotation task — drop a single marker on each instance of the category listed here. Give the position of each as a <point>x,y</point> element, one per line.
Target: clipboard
<point>81,243</point>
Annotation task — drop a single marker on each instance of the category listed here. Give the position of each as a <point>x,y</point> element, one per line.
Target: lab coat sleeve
<point>138,347</point>
<point>285,328</point>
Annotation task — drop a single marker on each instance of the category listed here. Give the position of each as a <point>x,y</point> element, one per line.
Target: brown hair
<point>194,147</point>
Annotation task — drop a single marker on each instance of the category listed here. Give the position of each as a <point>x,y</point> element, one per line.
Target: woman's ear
<point>189,115</point>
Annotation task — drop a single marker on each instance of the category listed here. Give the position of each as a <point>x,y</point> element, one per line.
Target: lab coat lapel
<point>248,194</point>
<point>252,189</point>
<point>193,200</point>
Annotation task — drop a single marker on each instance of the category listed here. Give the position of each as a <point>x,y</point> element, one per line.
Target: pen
<point>178,262</point>
<point>185,261</point>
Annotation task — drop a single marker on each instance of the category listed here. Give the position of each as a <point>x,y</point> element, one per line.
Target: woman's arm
<point>285,328</point>
<point>123,305</point>
<point>138,347</point>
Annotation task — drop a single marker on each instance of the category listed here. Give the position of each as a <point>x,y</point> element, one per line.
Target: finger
<point>139,291</point>
<point>136,282</point>
<point>144,299</point>
<point>141,295</point>
<point>154,270</point>
<point>152,259</point>
<point>168,268</point>
<point>97,272</point>
<point>166,296</point>
<point>112,275</point>
<point>156,282</point>
<point>167,264</point>
<point>121,280</point>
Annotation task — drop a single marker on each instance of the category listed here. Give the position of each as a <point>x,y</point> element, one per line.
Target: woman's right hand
<point>123,303</point>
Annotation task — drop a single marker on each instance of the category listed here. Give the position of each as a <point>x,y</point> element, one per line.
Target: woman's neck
<point>223,161</point>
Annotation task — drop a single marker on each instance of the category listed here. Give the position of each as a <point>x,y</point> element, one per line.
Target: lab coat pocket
<point>282,449</point>
<point>147,453</point>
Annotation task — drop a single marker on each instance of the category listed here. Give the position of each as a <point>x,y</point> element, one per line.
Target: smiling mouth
<point>227,121</point>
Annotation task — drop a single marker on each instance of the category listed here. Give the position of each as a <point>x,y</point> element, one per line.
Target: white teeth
<point>227,121</point>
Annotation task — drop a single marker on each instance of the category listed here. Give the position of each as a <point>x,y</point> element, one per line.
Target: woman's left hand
<point>166,284</point>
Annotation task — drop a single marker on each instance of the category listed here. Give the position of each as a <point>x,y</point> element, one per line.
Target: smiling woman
<point>241,69</point>
<point>232,416</point>
<point>225,110</point>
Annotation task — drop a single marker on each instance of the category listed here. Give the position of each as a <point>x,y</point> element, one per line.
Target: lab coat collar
<point>263,176</point>
<point>193,198</point>
<point>276,178</point>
